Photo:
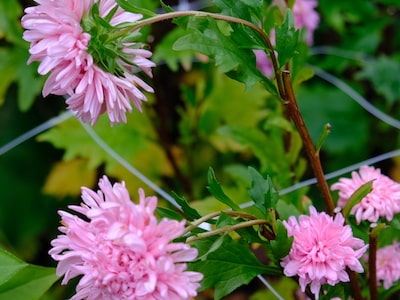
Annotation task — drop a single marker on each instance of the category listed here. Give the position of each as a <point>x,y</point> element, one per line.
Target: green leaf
<point>229,266</point>
<point>243,9</point>
<point>381,72</point>
<point>262,192</point>
<point>10,28</point>
<point>216,190</point>
<point>131,6</point>
<point>230,57</point>
<point>225,219</point>
<point>357,196</point>
<point>280,247</point>
<point>164,51</point>
<point>287,39</point>
<point>9,266</point>
<point>190,212</point>
<point>164,212</point>
<point>21,281</point>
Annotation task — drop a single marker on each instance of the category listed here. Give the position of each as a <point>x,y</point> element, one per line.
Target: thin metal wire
<point>35,131</point>
<point>269,286</point>
<point>345,88</point>
<point>110,151</point>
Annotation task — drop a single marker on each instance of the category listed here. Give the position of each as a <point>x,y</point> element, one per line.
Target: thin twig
<point>225,230</point>
<point>216,214</point>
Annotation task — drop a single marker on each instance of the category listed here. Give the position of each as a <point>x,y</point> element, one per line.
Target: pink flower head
<point>121,250</point>
<point>323,247</point>
<point>61,45</point>
<point>382,201</point>
<point>306,17</point>
<point>388,264</point>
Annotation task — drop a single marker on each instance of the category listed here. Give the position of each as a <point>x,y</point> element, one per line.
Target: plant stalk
<point>216,214</point>
<point>312,154</point>
<point>373,245</point>
<point>226,229</point>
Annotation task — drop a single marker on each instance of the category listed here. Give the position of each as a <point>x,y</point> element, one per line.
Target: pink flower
<point>323,247</point>
<point>388,264</point>
<point>71,56</point>
<point>306,17</point>
<point>382,201</point>
<point>120,249</point>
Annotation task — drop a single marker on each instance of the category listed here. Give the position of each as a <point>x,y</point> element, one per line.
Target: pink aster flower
<point>382,201</point>
<point>61,45</point>
<point>388,264</point>
<point>323,247</point>
<point>306,17</point>
<point>121,250</point>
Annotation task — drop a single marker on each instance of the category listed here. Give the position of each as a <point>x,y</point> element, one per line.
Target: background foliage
<point>198,118</point>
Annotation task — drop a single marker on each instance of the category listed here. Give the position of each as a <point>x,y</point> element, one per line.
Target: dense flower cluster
<point>305,17</point>
<point>60,44</point>
<point>382,201</point>
<point>121,249</point>
<point>388,265</point>
<point>323,247</point>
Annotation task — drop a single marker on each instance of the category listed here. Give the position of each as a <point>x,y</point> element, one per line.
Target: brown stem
<point>373,244</point>
<point>312,154</point>
<point>355,287</point>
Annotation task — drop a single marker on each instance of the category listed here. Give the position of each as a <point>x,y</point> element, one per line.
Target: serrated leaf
<point>262,192</point>
<point>229,56</point>
<point>216,190</point>
<point>190,212</point>
<point>243,9</point>
<point>287,39</point>
<point>131,6</point>
<point>229,266</point>
<point>357,196</point>
<point>22,281</point>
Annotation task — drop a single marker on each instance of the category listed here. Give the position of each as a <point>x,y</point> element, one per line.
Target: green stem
<point>216,214</point>
<point>226,230</point>
<point>177,14</point>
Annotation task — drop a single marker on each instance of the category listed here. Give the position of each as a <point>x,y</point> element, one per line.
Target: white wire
<point>35,131</point>
<point>128,166</point>
<point>334,174</point>
<point>269,286</point>
<point>345,88</point>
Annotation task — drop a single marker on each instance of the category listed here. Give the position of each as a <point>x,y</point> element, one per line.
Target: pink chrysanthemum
<point>323,247</point>
<point>306,17</point>
<point>61,45</point>
<point>382,201</point>
<point>388,265</point>
<point>120,249</point>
